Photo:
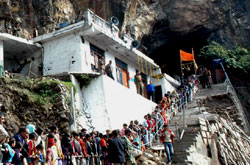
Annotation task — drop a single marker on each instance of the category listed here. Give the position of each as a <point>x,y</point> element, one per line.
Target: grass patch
<point>42,92</point>
<point>68,85</point>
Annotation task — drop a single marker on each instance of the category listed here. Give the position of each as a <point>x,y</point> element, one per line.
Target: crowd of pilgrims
<point>34,145</point>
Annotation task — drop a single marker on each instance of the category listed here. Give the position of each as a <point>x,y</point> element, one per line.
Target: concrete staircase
<point>182,147</point>
<point>191,149</point>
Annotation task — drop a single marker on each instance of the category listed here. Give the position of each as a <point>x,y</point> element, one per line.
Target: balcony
<point>102,25</point>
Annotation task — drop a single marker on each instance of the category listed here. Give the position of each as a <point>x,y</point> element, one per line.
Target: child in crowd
<point>9,152</point>
<point>51,156</point>
<point>17,159</point>
<point>39,153</point>
<point>32,148</point>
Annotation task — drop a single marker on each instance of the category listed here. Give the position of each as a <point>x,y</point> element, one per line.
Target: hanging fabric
<point>187,66</point>
<point>138,60</point>
<point>150,69</point>
<point>184,56</point>
<point>142,67</point>
<point>146,65</point>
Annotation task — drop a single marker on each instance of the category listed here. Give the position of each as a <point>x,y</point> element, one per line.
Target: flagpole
<point>194,61</point>
<point>182,81</point>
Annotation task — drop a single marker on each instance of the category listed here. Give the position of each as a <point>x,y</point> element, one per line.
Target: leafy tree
<point>237,59</point>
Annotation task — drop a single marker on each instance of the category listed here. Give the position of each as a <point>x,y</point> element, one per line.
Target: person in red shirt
<point>32,148</point>
<point>151,123</point>
<point>167,137</point>
<point>83,146</point>
<point>103,142</point>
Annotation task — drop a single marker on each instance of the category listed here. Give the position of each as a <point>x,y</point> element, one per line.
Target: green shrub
<point>237,59</point>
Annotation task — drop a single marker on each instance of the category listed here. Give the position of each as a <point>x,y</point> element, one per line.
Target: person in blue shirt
<point>151,90</point>
<point>9,152</point>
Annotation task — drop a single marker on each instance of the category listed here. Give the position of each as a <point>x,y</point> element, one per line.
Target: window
<point>122,74</point>
<point>99,58</point>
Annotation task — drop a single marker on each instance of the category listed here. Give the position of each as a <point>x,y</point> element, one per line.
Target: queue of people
<point>155,124</point>
<point>204,75</point>
<point>33,145</point>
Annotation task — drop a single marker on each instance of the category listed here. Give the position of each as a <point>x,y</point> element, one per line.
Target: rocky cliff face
<point>42,102</point>
<point>158,22</point>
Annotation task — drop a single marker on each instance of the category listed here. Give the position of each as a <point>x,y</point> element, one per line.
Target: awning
<point>16,46</point>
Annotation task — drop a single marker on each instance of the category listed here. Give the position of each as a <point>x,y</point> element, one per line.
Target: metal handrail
<point>182,102</point>
<point>235,99</point>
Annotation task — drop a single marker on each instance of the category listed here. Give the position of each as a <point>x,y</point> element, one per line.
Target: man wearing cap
<point>166,137</point>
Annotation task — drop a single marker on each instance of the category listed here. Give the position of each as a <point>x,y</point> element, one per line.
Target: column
<point>1,58</point>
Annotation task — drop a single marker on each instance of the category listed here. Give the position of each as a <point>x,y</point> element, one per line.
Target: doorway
<point>158,94</point>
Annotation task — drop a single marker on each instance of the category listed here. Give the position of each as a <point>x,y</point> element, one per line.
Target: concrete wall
<point>71,54</point>
<point>110,104</point>
<point>34,65</point>
<point>93,102</point>
<point>62,55</point>
<point>124,105</point>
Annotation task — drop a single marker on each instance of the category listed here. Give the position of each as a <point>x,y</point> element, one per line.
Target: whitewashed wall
<point>94,103</point>
<point>60,53</point>
<point>110,104</point>
<point>79,103</point>
<point>124,105</point>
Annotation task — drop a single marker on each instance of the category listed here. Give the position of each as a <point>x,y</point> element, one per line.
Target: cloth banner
<point>186,56</point>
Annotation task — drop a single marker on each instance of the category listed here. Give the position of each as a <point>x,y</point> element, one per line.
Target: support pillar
<point>1,58</point>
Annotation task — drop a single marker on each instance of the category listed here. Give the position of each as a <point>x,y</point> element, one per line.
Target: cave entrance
<point>167,56</point>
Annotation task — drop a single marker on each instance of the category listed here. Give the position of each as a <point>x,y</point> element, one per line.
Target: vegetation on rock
<point>237,60</point>
<point>43,102</point>
<point>85,80</point>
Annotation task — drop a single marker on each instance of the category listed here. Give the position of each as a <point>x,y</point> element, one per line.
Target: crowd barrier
<point>178,105</point>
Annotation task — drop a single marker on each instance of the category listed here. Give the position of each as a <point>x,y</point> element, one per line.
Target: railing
<point>107,27</point>
<point>178,106</point>
<point>127,39</point>
<point>234,98</point>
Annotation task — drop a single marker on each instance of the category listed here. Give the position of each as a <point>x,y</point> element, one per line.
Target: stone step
<point>178,152</point>
<point>183,163</point>
<point>186,139</point>
<point>179,158</point>
<point>186,163</point>
<point>188,143</point>
<point>181,148</point>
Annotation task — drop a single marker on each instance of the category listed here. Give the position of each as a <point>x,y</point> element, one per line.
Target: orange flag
<point>186,56</point>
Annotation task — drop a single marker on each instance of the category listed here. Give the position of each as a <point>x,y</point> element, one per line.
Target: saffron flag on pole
<point>186,56</point>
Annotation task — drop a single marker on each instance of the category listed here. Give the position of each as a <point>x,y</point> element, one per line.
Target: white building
<point>76,50</point>
<point>18,55</point>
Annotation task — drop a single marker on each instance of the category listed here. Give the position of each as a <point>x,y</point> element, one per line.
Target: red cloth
<point>151,124</point>
<point>186,56</point>
<point>103,142</point>
<point>83,146</point>
<point>172,136</point>
<point>51,142</point>
<point>32,148</point>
